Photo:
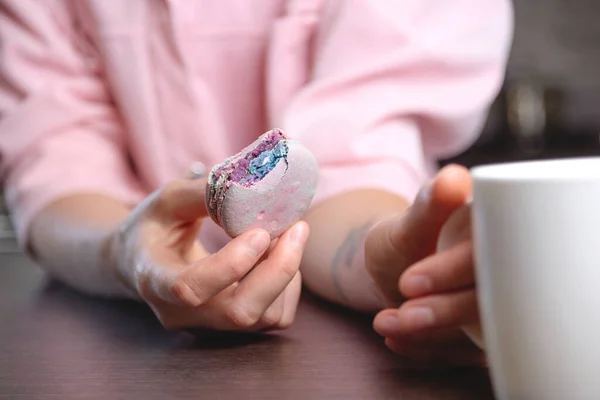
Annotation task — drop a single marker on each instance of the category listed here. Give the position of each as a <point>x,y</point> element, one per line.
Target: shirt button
<point>196,171</point>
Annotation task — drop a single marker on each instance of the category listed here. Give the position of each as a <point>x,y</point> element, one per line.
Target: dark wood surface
<point>56,343</point>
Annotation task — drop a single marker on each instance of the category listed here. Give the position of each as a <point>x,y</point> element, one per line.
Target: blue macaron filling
<point>266,161</point>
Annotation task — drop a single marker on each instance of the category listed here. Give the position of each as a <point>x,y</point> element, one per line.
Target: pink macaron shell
<point>277,201</point>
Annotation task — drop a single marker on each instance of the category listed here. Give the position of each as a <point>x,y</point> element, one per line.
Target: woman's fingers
<point>291,297</point>
<point>272,315</point>
<point>243,286</point>
<point>237,288</point>
<point>415,236</point>
<point>396,243</point>
<point>448,310</point>
<point>449,270</point>
<point>180,200</point>
<point>443,346</point>
<point>259,289</point>
<point>223,314</point>
<point>265,298</point>
<point>455,351</point>
<point>193,285</point>
<point>282,312</point>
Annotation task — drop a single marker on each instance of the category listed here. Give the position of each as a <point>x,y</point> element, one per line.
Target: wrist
<point>356,287</point>
<point>384,275</point>
<point>113,265</point>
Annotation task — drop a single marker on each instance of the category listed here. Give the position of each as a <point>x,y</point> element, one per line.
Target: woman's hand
<point>422,262</point>
<point>250,284</point>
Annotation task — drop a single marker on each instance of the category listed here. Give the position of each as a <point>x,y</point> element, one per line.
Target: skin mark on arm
<point>349,254</point>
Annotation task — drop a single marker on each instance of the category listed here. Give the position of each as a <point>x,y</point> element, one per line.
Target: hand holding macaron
<point>252,283</point>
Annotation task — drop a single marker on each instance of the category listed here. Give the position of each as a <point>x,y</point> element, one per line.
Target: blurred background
<point>549,106</point>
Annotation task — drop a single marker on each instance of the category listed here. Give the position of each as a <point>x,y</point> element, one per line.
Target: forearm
<point>70,240</point>
<point>333,266</point>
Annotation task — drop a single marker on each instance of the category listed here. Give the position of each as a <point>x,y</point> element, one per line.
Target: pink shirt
<point>120,96</point>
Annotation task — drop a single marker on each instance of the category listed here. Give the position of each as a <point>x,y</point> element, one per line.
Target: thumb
<point>181,200</point>
<point>416,236</point>
<point>412,236</point>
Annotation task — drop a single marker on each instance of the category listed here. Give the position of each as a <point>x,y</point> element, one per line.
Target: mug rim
<point>558,169</point>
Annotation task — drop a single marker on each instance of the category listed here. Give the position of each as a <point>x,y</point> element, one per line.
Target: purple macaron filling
<point>259,162</point>
<point>237,166</point>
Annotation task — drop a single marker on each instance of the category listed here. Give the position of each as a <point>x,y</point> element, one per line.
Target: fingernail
<point>299,233</point>
<point>386,323</point>
<point>259,241</point>
<point>419,317</point>
<point>424,194</point>
<point>418,285</point>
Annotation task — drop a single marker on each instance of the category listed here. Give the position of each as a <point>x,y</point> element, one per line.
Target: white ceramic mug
<point>536,233</point>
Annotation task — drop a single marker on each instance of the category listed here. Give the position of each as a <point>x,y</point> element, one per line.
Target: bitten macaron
<point>269,184</point>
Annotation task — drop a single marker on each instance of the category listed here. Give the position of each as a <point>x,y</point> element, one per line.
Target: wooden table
<point>58,344</point>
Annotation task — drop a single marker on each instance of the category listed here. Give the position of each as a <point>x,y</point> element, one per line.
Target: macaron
<point>269,184</point>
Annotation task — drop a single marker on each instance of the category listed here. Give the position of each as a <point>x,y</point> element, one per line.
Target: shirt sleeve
<point>59,132</point>
<point>392,86</point>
